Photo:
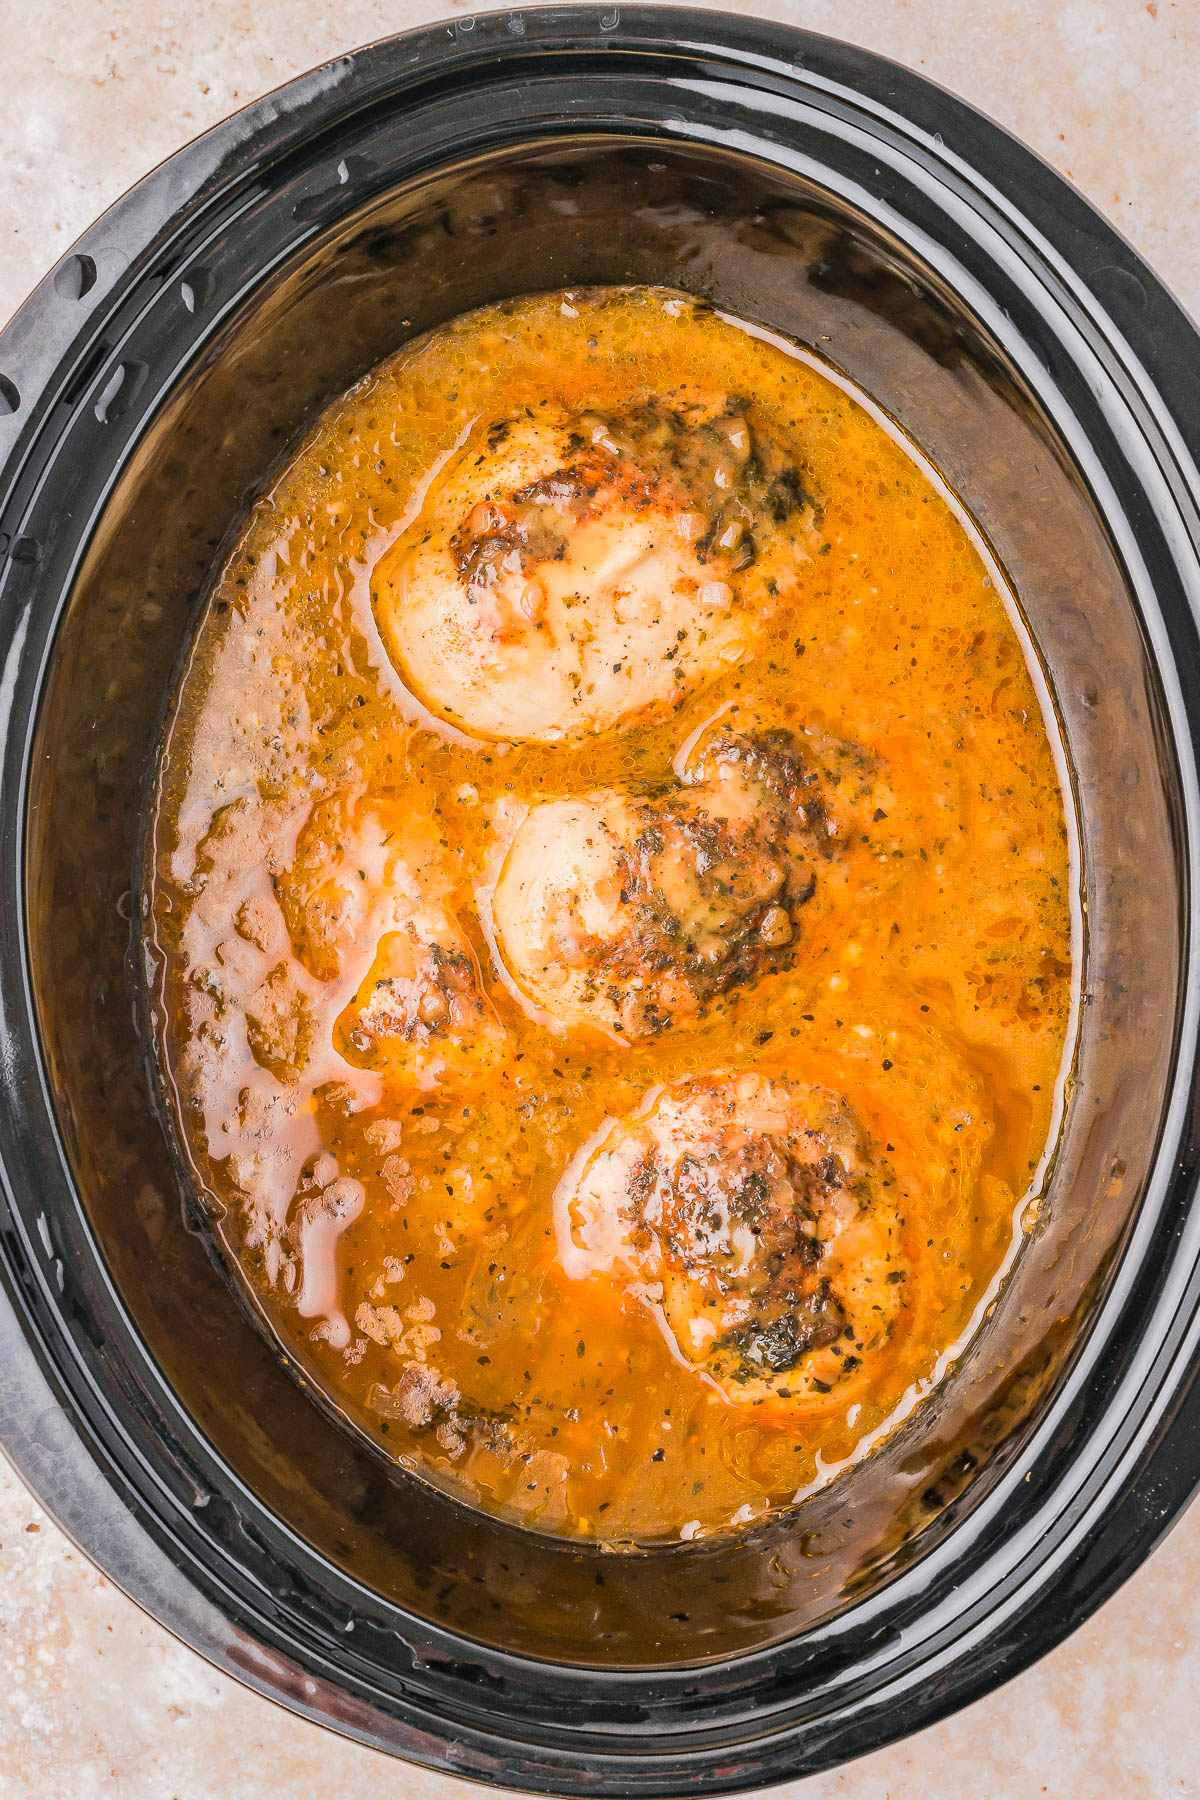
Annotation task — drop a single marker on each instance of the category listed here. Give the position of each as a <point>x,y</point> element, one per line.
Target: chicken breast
<point>368,905</point>
<point>567,572</point>
<point>751,1215</point>
<point>631,914</point>
<point>421,1010</point>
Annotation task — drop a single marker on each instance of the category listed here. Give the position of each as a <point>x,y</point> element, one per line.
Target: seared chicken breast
<point>368,905</point>
<point>752,1215</point>
<point>630,914</point>
<point>567,572</point>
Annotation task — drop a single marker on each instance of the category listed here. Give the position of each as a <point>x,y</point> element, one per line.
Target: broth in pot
<point>612,916</point>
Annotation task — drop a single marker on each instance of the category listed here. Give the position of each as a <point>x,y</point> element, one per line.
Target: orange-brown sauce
<point>395,1212</point>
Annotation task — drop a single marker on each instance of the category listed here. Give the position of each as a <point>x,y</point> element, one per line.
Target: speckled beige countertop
<point>95,1699</point>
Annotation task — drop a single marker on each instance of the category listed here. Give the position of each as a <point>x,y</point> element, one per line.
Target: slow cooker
<point>147,389</point>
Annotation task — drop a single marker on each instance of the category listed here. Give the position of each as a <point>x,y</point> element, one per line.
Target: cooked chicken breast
<point>421,1009</point>
<point>751,1215</point>
<point>368,906</point>
<point>632,914</point>
<point>568,572</point>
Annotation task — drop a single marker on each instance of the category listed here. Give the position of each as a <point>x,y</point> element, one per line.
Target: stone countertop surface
<point>96,1699</point>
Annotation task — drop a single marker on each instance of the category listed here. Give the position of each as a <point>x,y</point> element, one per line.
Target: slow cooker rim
<point>236,138</point>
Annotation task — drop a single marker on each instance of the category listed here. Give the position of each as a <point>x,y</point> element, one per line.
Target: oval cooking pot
<point>147,389</point>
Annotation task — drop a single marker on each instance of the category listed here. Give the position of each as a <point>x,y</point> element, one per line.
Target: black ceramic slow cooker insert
<point>148,388</point>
